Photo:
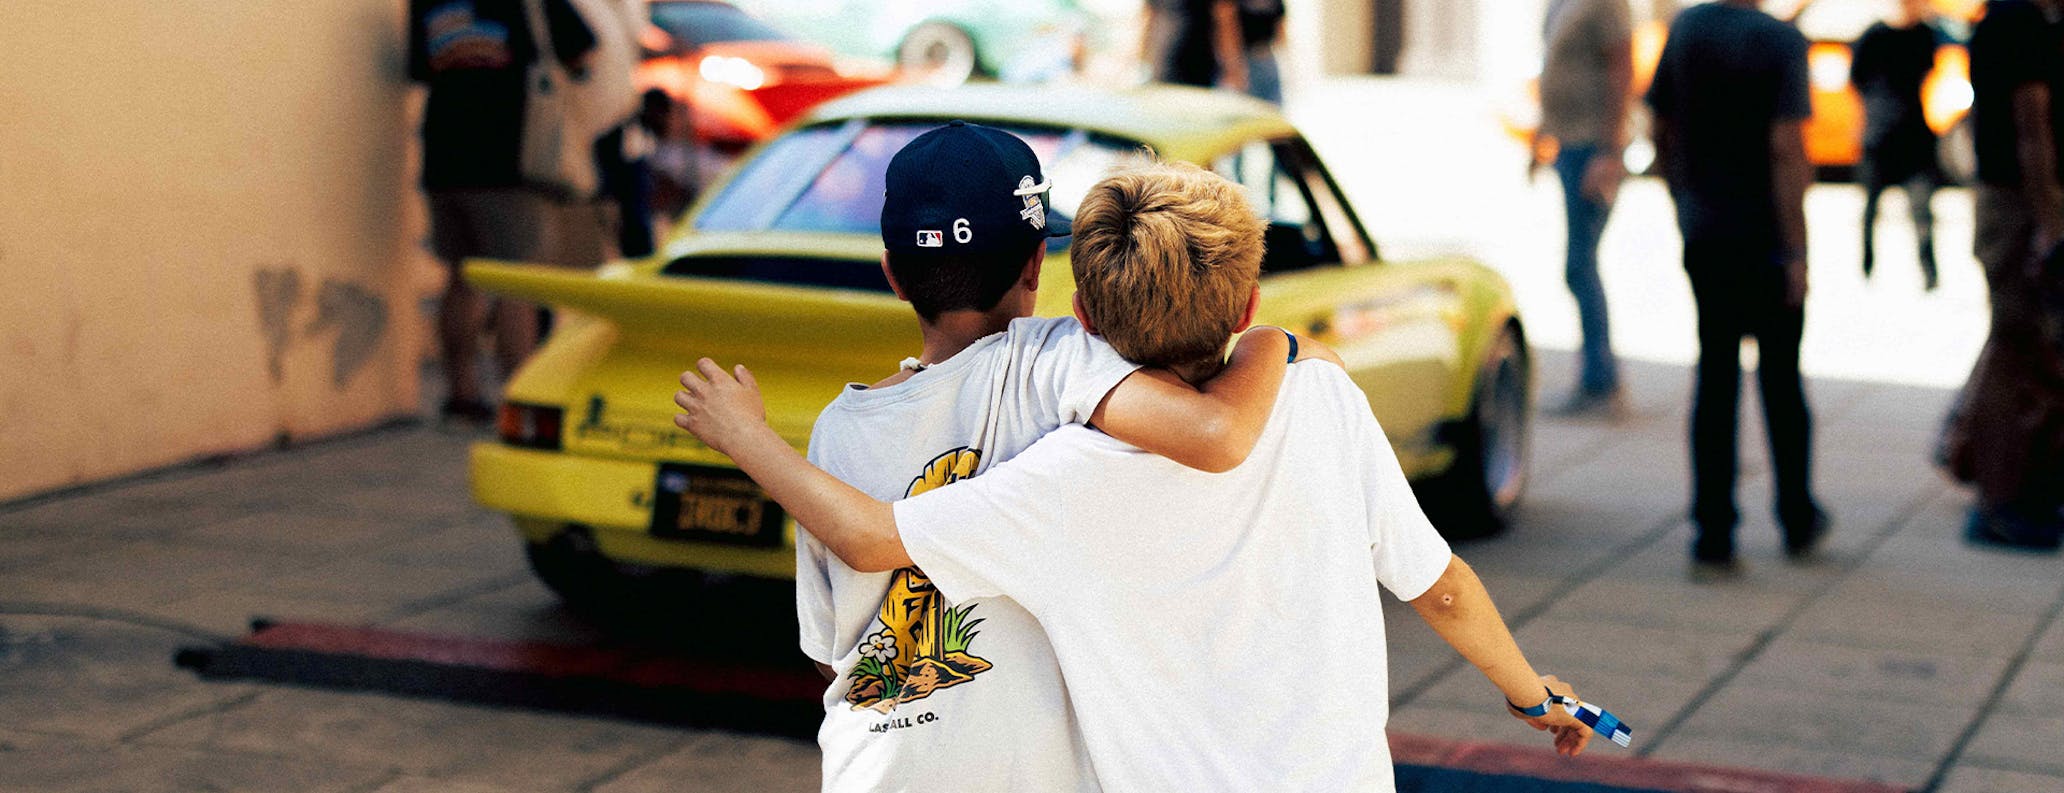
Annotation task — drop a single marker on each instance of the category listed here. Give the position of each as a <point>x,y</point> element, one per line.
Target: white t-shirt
<point>1217,631</point>
<point>930,697</point>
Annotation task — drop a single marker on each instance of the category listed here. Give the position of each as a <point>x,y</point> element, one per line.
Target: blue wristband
<point>1598,719</point>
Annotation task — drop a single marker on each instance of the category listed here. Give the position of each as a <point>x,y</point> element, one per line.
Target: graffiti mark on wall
<point>358,316</point>
<point>278,291</point>
<point>353,317</point>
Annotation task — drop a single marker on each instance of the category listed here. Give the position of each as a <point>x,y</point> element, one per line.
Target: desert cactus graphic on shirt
<point>917,644</point>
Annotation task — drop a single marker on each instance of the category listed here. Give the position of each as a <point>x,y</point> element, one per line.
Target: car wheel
<point>1958,153</point>
<point>1476,496</point>
<point>941,53</point>
<point>573,569</point>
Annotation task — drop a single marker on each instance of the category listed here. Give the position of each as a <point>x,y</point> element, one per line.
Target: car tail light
<point>530,426</point>
<point>735,72</point>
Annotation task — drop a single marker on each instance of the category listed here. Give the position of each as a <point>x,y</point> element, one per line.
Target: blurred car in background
<point>1834,136</point>
<point>716,80</point>
<point>943,42</point>
<point>779,268</point>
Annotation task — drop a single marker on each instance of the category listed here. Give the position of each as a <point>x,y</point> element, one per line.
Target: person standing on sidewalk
<point>475,56</point>
<point>1889,62</point>
<point>1226,44</point>
<point>2006,436</point>
<point>1180,45</point>
<point>1586,87</point>
<point>1730,100</point>
<point>1246,42</point>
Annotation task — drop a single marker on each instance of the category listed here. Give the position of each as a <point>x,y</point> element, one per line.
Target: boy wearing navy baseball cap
<point>965,216</point>
<point>920,697</point>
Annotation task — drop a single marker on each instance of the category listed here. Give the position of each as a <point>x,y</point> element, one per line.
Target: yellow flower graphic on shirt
<point>919,644</point>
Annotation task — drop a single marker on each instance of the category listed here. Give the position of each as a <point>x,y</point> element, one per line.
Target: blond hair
<point>1165,256</point>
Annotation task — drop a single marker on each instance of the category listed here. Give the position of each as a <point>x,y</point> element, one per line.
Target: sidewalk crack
<point>1741,661</point>
<point>1992,700</point>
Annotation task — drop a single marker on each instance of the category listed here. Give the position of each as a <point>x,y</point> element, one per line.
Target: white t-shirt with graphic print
<point>1217,631</point>
<point>930,697</point>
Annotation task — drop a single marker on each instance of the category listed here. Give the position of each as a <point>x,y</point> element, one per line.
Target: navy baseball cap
<point>966,189</point>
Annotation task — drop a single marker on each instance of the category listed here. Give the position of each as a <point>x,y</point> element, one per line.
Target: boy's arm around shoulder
<point>1214,425</point>
<point>726,412</point>
<point>1459,609</point>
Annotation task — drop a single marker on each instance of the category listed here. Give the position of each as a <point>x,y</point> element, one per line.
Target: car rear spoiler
<point>776,320</point>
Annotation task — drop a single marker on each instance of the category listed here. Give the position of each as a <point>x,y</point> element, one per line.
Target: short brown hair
<point>1165,256</point>
<point>936,283</point>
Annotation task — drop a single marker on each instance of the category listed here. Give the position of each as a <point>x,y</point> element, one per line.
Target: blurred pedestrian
<point>1587,84</point>
<point>1887,65</point>
<point>1179,44</point>
<point>1247,31</point>
<point>615,220</point>
<point>1730,100</point>
<point>1227,44</point>
<point>2006,436</point>
<point>476,56</point>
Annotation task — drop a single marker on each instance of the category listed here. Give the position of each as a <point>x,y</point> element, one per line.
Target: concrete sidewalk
<point>1906,657</point>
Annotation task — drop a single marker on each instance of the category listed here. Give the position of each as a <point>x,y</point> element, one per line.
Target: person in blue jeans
<point>1586,87</point>
<point>1731,97</point>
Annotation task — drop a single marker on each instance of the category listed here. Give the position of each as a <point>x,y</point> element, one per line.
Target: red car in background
<point>716,80</point>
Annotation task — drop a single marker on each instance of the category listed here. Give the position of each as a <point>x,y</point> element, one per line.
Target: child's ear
<point>1253,304</point>
<point>1029,279</point>
<point>1083,316</point>
<point>891,275</point>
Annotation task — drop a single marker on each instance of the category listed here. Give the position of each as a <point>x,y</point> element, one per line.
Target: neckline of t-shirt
<point>938,375</point>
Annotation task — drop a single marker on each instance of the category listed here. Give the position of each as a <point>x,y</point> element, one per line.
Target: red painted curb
<point>645,669</point>
<point>1604,769</point>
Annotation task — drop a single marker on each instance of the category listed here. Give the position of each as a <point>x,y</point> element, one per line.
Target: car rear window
<point>695,24</point>
<point>828,178</point>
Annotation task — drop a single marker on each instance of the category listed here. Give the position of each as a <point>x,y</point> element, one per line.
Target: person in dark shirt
<point>1888,64</point>
<point>1730,102</point>
<point>1216,43</point>
<point>2006,435</point>
<point>1182,42</point>
<point>475,56</point>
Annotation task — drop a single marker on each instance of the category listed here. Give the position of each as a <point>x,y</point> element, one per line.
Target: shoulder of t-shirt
<point>833,423</point>
<point>1326,389</point>
<point>834,415</point>
<point>1781,30</point>
<point>1042,328</point>
<point>1067,448</point>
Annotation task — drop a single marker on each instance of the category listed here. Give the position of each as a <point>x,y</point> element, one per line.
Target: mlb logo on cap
<point>983,184</point>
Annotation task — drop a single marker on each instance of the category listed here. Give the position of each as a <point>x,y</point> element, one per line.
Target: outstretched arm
<point>728,414</point>
<point>1214,425</point>
<point>1460,610</point>
<point>1226,44</point>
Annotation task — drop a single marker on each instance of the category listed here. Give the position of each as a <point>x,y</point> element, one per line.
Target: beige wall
<point>1328,37</point>
<point>207,230</point>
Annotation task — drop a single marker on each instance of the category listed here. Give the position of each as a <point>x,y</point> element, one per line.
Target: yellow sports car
<point>779,269</point>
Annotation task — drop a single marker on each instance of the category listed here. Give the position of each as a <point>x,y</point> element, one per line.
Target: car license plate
<point>721,505</point>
